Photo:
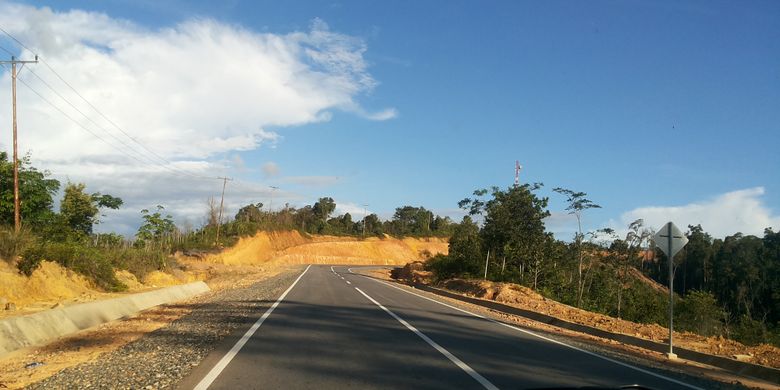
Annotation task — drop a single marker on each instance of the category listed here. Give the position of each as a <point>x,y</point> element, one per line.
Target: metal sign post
<point>670,240</point>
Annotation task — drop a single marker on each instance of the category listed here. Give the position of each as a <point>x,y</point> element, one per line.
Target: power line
<point>42,60</point>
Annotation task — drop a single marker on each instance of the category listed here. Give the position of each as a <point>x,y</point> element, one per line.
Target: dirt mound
<point>48,285</point>
<point>526,298</point>
<point>413,272</point>
<point>501,292</point>
<point>259,248</point>
<point>290,247</point>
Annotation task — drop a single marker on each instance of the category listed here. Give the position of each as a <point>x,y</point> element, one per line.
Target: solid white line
<point>540,336</point>
<point>463,366</point>
<point>217,369</point>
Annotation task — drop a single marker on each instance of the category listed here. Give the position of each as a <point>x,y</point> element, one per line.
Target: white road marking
<point>539,336</point>
<point>348,282</point>
<point>465,367</point>
<point>217,369</point>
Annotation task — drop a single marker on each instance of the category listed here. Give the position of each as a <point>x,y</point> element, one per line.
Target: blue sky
<point>638,103</point>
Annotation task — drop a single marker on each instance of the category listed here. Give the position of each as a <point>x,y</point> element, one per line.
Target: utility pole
<point>518,167</point>
<point>13,62</point>
<point>221,203</point>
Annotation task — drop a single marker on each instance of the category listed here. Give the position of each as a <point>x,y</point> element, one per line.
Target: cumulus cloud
<point>742,211</point>
<point>190,93</point>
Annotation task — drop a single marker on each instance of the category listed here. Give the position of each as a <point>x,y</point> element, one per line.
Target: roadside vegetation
<point>67,236</point>
<point>723,287</point>
<point>728,287</point>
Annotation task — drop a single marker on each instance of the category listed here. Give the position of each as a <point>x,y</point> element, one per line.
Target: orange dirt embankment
<point>284,248</point>
<point>528,299</point>
<point>51,285</point>
<point>251,258</point>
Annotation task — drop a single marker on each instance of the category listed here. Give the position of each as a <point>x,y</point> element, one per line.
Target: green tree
<point>250,213</point>
<point>36,191</point>
<point>578,203</point>
<point>81,210</point>
<point>513,229</point>
<point>700,312</point>
<point>373,225</point>
<point>156,228</point>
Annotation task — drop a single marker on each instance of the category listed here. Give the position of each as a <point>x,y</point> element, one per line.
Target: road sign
<point>670,246</point>
<point>670,239</point>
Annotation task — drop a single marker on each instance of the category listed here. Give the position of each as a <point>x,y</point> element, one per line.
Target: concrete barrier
<point>39,328</point>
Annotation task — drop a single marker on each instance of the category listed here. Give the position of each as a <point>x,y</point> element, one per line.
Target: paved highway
<point>334,329</point>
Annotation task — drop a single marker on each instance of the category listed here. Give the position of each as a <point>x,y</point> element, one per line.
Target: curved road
<point>334,329</point>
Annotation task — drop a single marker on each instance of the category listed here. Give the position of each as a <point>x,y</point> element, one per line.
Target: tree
<point>411,221</point>
<point>513,229</point>
<point>465,252</point>
<point>36,191</point>
<point>323,208</point>
<point>156,228</point>
<point>373,225</point>
<point>81,210</point>
<point>626,252</point>
<point>212,212</point>
<point>250,213</point>
<point>577,204</point>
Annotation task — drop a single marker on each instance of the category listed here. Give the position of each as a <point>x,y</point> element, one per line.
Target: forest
<point>728,287</point>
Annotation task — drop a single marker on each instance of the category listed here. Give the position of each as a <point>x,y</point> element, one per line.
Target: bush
<point>699,313</point>
<point>749,331</point>
<point>139,262</point>
<point>87,261</point>
<point>445,267</point>
<point>13,243</point>
<point>644,305</point>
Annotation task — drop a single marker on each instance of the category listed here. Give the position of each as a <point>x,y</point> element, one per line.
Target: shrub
<point>13,243</point>
<point>139,262</point>
<point>749,331</point>
<point>87,261</point>
<point>699,313</point>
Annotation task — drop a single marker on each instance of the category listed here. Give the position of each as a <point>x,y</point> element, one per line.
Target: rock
<point>742,358</point>
<point>57,305</point>
<point>10,306</point>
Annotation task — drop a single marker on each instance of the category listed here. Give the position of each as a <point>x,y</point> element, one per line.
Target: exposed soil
<point>528,299</point>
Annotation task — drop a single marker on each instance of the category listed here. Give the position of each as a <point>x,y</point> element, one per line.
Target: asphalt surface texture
<point>335,329</point>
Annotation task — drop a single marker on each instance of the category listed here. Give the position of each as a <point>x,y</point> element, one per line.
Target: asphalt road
<point>334,329</point>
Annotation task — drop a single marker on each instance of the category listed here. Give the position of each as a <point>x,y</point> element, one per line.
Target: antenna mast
<point>518,167</point>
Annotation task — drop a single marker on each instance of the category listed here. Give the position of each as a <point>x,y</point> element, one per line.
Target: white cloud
<point>741,211</point>
<point>190,92</point>
<point>355,210</point>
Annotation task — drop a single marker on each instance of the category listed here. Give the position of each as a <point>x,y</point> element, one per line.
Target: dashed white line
<point>465,367</point>
<point>217,369</point>
<point>348,282</point>
<point>539,336</point>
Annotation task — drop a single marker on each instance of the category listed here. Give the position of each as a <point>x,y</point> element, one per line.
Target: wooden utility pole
<point>13,62</point>
<point>221,203</point>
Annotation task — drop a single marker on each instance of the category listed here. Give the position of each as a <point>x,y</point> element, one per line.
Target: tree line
<point>728,287</point>
<point>67,236</point>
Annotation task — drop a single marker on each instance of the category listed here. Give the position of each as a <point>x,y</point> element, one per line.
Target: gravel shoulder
<point>159,347</point>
